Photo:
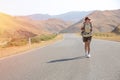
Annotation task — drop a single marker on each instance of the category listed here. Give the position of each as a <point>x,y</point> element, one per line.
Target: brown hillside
<point>53,25</point>
<point>21,27</point>
<point>103,21</point>
<point>11,27</point>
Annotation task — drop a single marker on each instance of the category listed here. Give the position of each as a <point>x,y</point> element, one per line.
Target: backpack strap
<point>83,28</point>
<point>84,25</point>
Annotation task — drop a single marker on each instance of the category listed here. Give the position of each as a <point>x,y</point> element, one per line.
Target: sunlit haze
<point>55,7</point>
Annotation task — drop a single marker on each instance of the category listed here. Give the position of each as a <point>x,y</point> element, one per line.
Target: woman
<point>87,35</point>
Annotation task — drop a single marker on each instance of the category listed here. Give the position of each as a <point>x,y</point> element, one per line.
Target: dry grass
<point>4,52</point>
<point>105,36</point>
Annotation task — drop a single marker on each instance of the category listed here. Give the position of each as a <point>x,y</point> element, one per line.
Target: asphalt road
<point>64,60</point>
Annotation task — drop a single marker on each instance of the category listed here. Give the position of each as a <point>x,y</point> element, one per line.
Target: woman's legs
<point>87,41</point>
<point>88,47</point>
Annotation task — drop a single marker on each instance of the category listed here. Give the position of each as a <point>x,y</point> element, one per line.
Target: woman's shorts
<point>86,39</point>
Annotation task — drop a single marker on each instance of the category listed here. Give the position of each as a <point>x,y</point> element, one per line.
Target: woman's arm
<point>91,26</point>
<point>83,28</point>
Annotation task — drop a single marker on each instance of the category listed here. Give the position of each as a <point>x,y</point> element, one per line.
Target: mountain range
<point>37,24</point>
<point>11,26</point>
<point>103,21</point>
<point>24,27</point>
<point>73,16</point>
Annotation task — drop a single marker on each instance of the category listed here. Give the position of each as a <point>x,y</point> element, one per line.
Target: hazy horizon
<point>55,7</point>
<point>50,14</point>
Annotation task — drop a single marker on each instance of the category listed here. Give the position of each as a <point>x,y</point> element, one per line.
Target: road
<point>64,60</point>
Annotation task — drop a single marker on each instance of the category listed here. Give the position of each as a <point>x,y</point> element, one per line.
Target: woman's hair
<point>87,18</point>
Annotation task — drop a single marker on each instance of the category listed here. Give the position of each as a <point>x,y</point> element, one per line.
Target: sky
<point>55,7</point>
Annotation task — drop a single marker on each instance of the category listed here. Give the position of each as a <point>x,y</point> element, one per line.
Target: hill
<point>73,16</point>
<point>103,21</point>
<point>53,25</point>
<point>39,16</point>
<point>12,27</point>
<point>24,27</point>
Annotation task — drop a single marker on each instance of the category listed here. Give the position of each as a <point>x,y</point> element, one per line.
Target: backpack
<point>87,30</point>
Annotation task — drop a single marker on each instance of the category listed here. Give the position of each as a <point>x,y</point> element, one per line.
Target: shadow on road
<point>68,59</point>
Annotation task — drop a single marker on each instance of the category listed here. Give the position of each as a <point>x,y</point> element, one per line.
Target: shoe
<point>89,55</point>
